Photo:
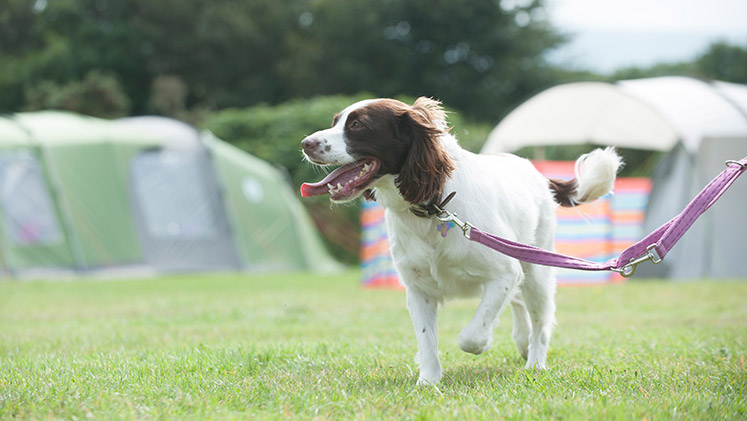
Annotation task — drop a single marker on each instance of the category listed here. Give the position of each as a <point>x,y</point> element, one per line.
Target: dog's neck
<point>387,193</point>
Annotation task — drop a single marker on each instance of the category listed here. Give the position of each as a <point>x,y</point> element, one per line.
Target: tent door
<point>181,220</point>
<point>33,236</point>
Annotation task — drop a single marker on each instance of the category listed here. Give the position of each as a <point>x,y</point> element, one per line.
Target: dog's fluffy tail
<point>595,176</point>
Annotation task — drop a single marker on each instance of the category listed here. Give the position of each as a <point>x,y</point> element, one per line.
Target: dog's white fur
<point>503,195</point>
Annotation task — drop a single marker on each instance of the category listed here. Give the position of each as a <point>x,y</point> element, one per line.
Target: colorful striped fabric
<point>628,213</point>
<point>582,231</point>
<point>376,260</point>
<point>596,231</point>
<point>599,230</point>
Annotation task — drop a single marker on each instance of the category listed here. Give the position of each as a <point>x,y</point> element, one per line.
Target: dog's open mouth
<point>345,183</point>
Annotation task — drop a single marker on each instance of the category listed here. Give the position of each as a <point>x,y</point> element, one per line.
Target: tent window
<point>28,212</point>
<point>174,199</point>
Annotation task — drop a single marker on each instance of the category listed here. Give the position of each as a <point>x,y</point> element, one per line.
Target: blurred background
<point>262,74</point>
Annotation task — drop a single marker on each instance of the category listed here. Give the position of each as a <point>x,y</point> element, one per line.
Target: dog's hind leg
<point>475,337</point>
<point>424,312</point>
<point>522,325</point>
<point>539,297</point>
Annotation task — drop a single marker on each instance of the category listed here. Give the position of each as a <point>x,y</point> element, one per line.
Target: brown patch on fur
<point>563,191</point>
<point>406,140</point>
<point>424,172</point>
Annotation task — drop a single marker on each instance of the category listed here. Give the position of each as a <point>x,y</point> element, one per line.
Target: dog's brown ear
<point>427,165</point>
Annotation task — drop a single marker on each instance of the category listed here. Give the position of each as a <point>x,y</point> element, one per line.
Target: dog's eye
<point>356,124</point>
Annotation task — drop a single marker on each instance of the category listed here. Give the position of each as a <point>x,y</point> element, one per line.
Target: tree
<point>720,61</point>
<point>476,55</point>
<point>20,35</point>
<point>723,61</point>
<point>168,96</point>
<point>98,94</point>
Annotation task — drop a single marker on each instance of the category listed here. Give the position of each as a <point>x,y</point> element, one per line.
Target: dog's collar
<point>432,207</point>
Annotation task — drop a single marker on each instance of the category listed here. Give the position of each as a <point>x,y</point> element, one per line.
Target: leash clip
<point>446,216</point>
<point>734,162</point>
<point>629,269</point>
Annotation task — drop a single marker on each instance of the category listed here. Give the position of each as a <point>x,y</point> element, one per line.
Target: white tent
<point>700,124</point>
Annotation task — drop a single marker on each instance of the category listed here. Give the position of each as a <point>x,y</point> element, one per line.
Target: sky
<point>610,34</point>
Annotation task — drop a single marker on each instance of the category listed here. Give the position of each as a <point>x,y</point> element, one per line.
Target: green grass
<point>308,346</point>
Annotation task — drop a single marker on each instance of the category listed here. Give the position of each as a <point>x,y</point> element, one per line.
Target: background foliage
<point>262,74</point>
<point>273,133</point>
<point>482,57</point>
<point>230,53</point>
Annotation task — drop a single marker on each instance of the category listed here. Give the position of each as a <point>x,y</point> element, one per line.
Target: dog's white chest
<point>435,263</point>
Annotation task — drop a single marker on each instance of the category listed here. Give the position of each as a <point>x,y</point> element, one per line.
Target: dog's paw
<point>472,343</point>
<point>428,380</point>
<point>430,371</point>
<point>535,365</point>
<point>429,375</point>
<point>537,357</point>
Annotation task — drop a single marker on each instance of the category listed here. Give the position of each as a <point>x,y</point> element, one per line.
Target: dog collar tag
<point>444,228</point>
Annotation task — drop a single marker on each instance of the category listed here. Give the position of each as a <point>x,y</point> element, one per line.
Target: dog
<point>405,158</point>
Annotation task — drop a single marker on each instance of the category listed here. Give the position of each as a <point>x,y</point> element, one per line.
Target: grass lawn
<point>308,346</point>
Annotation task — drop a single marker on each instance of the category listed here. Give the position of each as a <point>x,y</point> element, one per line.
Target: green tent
<point>270,222</point>
<point>79,194</point>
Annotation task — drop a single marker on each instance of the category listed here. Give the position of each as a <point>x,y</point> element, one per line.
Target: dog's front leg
<point>424,312</point>
<point>475,337</point>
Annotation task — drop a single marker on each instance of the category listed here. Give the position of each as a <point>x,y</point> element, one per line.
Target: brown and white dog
<point>405,156</point>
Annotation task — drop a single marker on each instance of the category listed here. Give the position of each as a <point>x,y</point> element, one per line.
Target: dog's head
<point>372,138</point>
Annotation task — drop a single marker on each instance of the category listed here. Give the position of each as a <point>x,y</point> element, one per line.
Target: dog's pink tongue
<point>319,188</point>
<point>313,189</point>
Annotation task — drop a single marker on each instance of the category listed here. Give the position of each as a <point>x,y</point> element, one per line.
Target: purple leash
<point>653,247</point>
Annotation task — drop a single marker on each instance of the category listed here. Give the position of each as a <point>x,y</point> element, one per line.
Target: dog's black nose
<point>310,144</point>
